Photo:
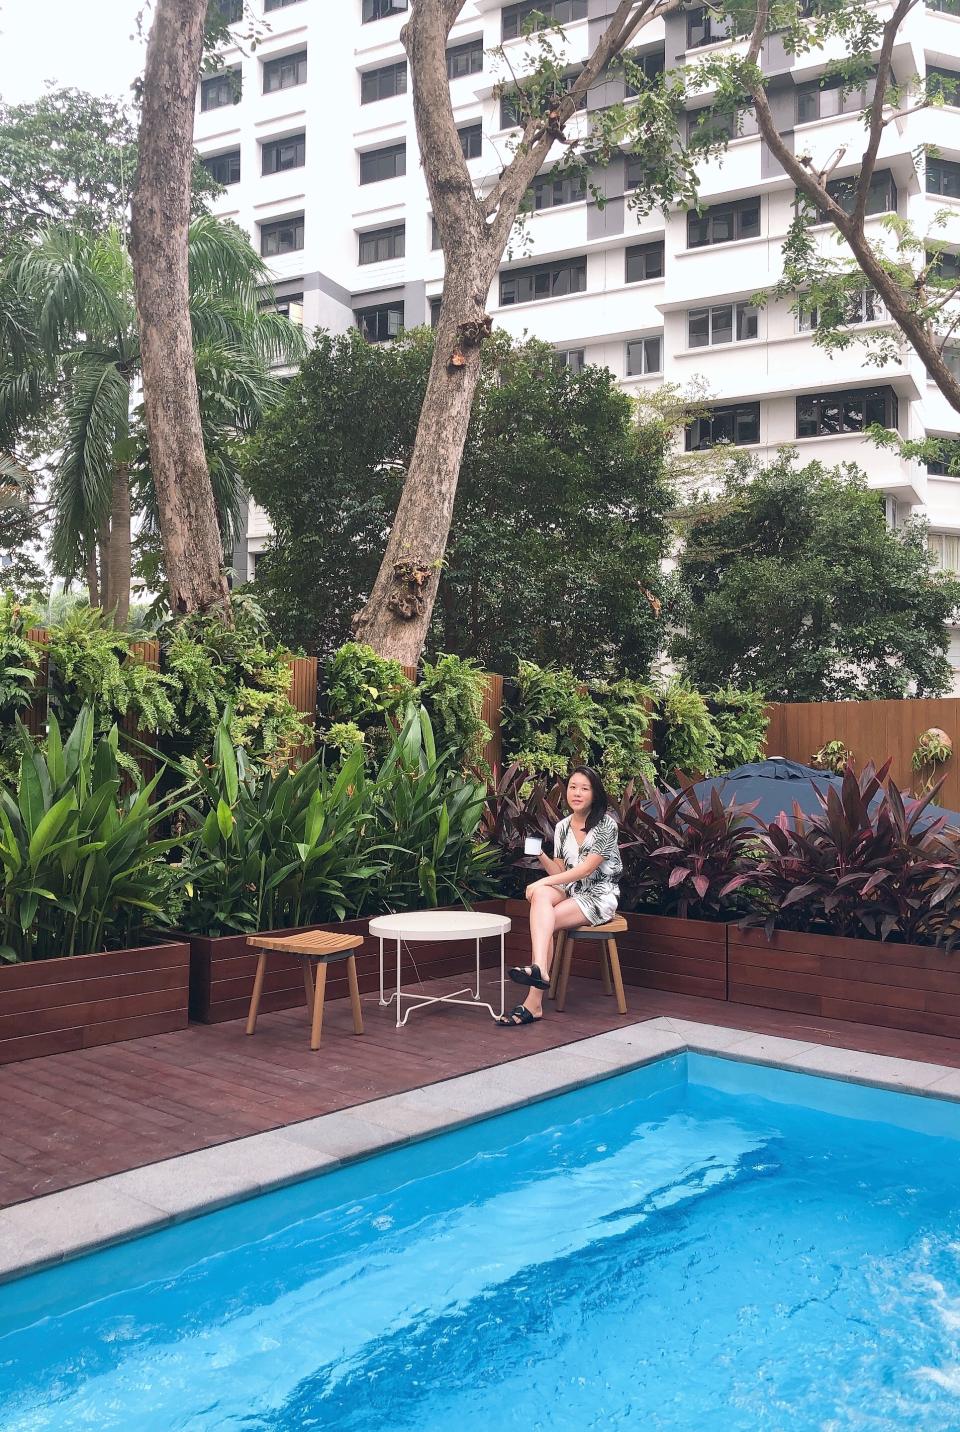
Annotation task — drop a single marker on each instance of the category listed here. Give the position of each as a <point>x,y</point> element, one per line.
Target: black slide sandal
<point>518,1015</point>
<point>528,975</point>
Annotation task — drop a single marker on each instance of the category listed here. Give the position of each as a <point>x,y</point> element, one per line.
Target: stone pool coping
<point>48,1230</point>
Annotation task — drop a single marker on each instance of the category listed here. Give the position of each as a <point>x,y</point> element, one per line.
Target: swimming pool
<point>700,1244</point>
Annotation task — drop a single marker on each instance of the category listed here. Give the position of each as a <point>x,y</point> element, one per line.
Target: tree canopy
<point>791,582</point>
<point>558,527</point>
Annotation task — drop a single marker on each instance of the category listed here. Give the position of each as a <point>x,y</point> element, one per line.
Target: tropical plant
<point>934,748</point>
<point>272,851</point>
<point>19,668</point>
<point>366,690</point>
<point>75,290</point>
<point>683,856</point>
<point>452,690</point>
<point>741,721</point>
<point>91,663</point>
<point>623,751</point>
<point>870,863</point>
<point>689,741</point>
<point>551,721</point>
<point>425,825</point>
<point>832,756</point>
<point>82,870</point>
<point>517,807</point>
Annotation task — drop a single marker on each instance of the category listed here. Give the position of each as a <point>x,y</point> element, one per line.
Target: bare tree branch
<point>876,125</point>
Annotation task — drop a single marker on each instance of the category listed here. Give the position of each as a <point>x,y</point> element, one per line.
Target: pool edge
<point>43,1232</point>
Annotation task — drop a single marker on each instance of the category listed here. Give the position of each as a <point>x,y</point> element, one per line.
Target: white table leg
<point>382,1000</point>
<point>503,975</point>
<point>399,1021</point>
<point>476,988</point>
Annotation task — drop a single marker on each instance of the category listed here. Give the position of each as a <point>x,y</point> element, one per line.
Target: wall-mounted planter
<point>896,986</point>
<point>51,1006</point>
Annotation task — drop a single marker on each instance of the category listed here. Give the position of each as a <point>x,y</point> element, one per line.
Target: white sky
<point>86,44</point>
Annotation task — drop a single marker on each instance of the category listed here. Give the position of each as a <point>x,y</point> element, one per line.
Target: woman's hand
<point>534,885</point>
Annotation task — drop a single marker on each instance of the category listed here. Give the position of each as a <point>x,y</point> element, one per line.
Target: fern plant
<point>690,741</point>
<point>19,669</point>
<point>92,664</point>
<point>452,690</point>
<point>741,720</point>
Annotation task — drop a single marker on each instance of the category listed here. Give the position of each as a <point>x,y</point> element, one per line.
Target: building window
<point>850,411</point>
<point>380,9</point>
<point>285,72</point>
<point>282,236</point>
<point>290,306</point>
<point>220,90</point>
<point>881,197</point>
<point>946,7</point>
<point>644,261</point>
<point>549,191</point>
<point>943,84</point>
<point>276,155</point>
<point>514,107</point>
<point>861,307</point>
<point>706,126</point>
<point>379,245</point>
<point>724,223</point>
<point>466,59</point>
<point>387,163</point>
<point>944,267</point>
<point>224,168</point>
<point>943,177</point>
<point>384,83</point>
<point>380,324</point>
<point>706,28</point>
<point>722,323</point>
<point>230,11</point>
<point>643,70</point>
<point>822,98</point>
<point>737,423</point>
<point>572,358</point>
<point>435,311</point>
<point>471,140</point>
<point>269,5</point>
<point>645,355</point>
<point>635,173</point>
<point>543,281</point>
<point>516,19</point>
<point>945,549</point>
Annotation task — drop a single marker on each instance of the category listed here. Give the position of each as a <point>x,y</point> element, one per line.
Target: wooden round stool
<point>609,960</point>
<point>317,949</point>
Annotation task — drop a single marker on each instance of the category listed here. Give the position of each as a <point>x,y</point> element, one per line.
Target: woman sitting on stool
<point>580,887</point>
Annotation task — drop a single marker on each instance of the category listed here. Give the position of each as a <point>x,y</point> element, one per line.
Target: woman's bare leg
<point>543,900</point>
<point>563,915</point>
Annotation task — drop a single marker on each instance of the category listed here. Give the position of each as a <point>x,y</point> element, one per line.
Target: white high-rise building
<point>318,150</point>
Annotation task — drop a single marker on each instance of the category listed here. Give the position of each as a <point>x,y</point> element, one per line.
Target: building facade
<point>313,134</point>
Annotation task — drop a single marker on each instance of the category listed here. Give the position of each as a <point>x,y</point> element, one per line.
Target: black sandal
<point>529,975</point>
<point>517,1016</point>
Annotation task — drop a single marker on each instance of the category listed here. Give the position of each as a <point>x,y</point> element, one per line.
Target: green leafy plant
<point>933,748</point>
<point>622,744</point>
<point>19,668</point>
<point>452,689</point>
<point>741,721</point>
<point>832,756</point>
<point>368,690</point>
<point>689,739</point>
<point>92,664</point>
<point>552,720</point>
<point>82,870</point>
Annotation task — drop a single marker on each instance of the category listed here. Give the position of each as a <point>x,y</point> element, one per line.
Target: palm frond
<point>67,281</point>
<point>96,414</point>
<point>223,262</point>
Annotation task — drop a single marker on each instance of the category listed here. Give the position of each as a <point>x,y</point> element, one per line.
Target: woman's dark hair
<point>600,801</point>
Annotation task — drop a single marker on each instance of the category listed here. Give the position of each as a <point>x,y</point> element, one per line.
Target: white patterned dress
<point>597,894</point>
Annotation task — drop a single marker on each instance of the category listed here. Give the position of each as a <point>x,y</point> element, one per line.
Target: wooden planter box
<point>897,986</point>
<point>222,969</point>
<point>656,952</point>
<point>50,1006</point>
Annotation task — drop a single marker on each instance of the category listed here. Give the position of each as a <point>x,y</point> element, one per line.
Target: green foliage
<point>452,690</point>
<point>933,748</point>
<point>741,720</point>
<point>791,583</point>
<point>367,691</point>
<point>553,721</point>
<point>81,867</point>
<point>19,666</point>
<point>212,665</point>
<point>689,741</point>
<point>832,756</point>
<point>21,535</point>
<point>91,664</point>
<point>622,744</point>
<point>560,493</point>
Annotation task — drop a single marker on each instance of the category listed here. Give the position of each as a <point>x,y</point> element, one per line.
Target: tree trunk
<point>192,549</point>
<point>116,600</point>
<point>93,578</point>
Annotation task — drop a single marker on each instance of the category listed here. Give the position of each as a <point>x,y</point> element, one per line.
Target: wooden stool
<point>317,949</point>
<point>609,960</point>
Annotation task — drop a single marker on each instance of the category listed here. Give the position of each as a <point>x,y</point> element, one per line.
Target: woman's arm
<point>586,867</point>
<point>550,865</point>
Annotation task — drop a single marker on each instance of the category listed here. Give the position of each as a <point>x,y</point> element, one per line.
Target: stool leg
<point>605,966</point>
<point>308,981</point>
<point>559,944</point>
<point>614,957</point>
<point>568,948</point>
<point>320,988</point>
<point>354,995</point>
<point>257,990</point>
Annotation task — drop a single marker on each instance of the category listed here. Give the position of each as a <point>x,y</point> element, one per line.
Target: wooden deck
<point>69,1118</point>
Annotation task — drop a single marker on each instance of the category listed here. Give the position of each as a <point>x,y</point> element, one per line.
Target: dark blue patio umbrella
<point>777,783</point>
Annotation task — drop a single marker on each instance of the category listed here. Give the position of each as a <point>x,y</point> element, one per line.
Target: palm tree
<point>74,293</point>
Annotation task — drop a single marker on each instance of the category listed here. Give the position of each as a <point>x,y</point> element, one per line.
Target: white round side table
<point>438,926</point>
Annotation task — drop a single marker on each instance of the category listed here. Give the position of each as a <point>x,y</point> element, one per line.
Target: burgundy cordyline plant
<point>870,863</point>
<point>518,806</point>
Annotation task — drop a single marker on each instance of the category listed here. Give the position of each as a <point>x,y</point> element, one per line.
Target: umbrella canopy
<point>777,783</point>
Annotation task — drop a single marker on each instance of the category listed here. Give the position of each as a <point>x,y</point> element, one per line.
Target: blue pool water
<point>700,1246</point>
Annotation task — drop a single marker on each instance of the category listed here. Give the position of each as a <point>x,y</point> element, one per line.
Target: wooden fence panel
<point>303,695</point>
<point>872,731</point>
<point>492,715</point>
<point>34,716</point>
